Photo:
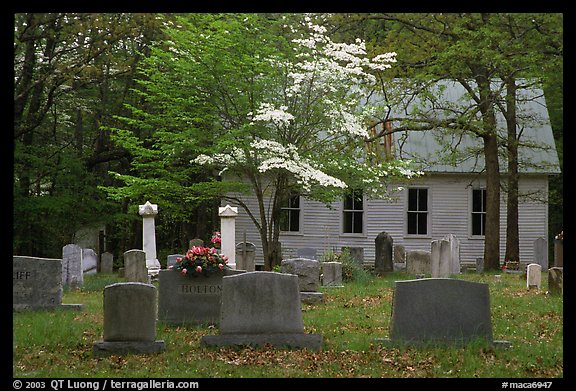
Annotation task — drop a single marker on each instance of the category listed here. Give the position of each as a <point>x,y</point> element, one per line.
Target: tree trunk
<point>492,228</point>
<point>512,233</point>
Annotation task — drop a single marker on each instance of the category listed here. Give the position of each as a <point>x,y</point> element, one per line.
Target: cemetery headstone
<point>418,262</point>
<point>383,262</point>
<point>399,257</point>
<point>190,300</point>
<point>135,266</point>
<point>72,272</point>
<point>454,253</point>
<point>196,242</point>
<point>107,263</point>
<point>171,259</point>
<point>440,311</point>
<point>37,284</point>
<point>129,320</point>
<point>356,253</point>
<point>89,261</point>
<point>148,212</point>
<point>541,253</point>
<point>556,281</point>
<point>480,265</point>
<point>246,256</point>
<point>262,308</point>
<point>533,276</point>
<point>440,261</point>
<point>331,274</point>
<point>308,272</point>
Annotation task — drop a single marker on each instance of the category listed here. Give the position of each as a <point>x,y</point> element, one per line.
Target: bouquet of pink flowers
<point>201,261</point>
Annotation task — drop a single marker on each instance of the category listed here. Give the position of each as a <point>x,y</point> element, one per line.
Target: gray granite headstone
<point>171,259</point>
<point>441,311</point>
<point>246,256</point>
<point>193,300</point>
<point>37,284</point>
<point>331,274</point>
<point>89,261</point>
<point>308,272</point>
<point>399,253</point>
<point>541,253</point>
<point>129,320</point>
<point>72,271</point>
<point>356,253</point>
<point>556,281</point>
<point>383,262</point>
<point>135,266</point>
<point>418,262</point>
<point>107,263</point>
<point>260,308</point>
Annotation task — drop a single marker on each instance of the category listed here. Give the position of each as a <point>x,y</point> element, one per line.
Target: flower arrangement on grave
<point>216,239</point>
<point>201,261</point>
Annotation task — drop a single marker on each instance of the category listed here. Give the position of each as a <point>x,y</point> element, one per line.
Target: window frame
<point>482,213</point>
<point>427,212</point>
<point>354,212</point>
<point>290,209</point>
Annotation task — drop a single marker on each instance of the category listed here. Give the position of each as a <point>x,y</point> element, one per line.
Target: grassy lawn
<point>59,343</point>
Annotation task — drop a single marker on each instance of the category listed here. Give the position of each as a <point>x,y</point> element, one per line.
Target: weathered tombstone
<point>171,259</point>
<point>440,258</point>
<point>418,262</point>
<point>440,311</point>
<point>480,265</point>
<point>196,242</point>
<point>454,253</point>
<point>331,274</point>
<point>308,272</point>
<point>541,253</point>
<point>246,256</point>
<point>89,261</point>
<point>357,254</point>
<point>399,253</point>
<point>135,266</point>
<point>148,212</point>
<point>556,281</point>
<point>190,300</point>
<point>533,276</point>
<point>72,274</point>
<point>261,308</point>
<point>37,284</point>
<point>228,216</point>
<point>383,262</point>
<point>107,263</point>
<point>129,320</point>
<point>307,252</point>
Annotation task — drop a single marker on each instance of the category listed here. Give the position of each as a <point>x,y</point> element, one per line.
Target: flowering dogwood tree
<point>307,130</point>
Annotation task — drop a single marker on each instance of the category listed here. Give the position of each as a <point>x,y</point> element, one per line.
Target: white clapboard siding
<point>449,213</point>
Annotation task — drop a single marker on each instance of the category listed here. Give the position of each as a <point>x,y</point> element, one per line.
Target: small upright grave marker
<point>129,320</point>
<point>135,266</point>
<point>383,262</point>
<point>72,273</point>
<point>556,281</point>
<point>260,308</point>
<point>533,276</point>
